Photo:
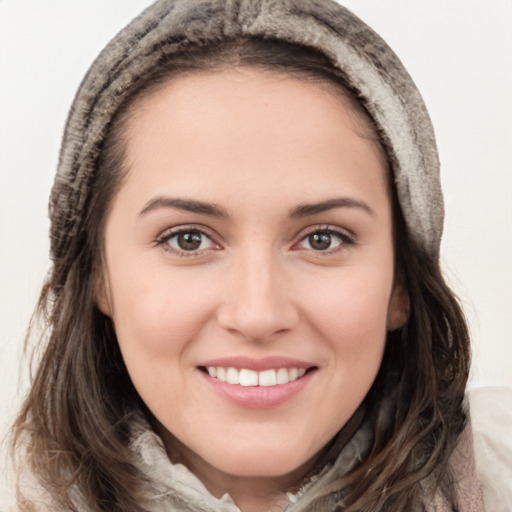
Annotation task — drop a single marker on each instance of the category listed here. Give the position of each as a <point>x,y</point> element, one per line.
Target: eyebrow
<point>213,210</point>
<point>306,210</point>
<point>187,205</point>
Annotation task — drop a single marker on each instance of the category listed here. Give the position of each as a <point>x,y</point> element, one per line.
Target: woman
<point>245,308</point>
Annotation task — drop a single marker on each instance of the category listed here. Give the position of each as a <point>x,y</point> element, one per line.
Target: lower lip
<point>259,397</point>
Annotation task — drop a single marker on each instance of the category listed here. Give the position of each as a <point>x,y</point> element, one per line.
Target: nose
<point>259,303</point>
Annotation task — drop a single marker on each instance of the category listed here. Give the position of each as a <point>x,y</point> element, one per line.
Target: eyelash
<point>343,237</point>
<point>168,235</point>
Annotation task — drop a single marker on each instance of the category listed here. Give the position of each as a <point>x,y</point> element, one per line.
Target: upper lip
<point>259,365</point>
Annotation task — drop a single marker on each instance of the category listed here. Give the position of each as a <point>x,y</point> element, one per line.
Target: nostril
<point>258,311</point>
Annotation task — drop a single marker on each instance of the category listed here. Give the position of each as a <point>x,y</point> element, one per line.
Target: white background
<point>459,53</point>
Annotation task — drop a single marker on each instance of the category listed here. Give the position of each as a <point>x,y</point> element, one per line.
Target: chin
<point>262,461</point>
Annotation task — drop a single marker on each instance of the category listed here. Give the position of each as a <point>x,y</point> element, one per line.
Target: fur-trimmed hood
<point>371,68</point>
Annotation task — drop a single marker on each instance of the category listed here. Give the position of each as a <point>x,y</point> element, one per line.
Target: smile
<point>247,377</point>
<point>257,383</point>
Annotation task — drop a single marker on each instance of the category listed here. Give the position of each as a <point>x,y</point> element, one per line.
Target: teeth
<point>246,377</point>
<point>221,374</point>
<point>232,376</point>
<point>267,378</point>
<point>283,375</point>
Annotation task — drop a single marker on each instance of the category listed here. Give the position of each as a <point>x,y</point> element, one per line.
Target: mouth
<point>258,383</point>
<point>252,378</point>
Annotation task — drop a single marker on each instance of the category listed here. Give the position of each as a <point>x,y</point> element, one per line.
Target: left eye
<point>191,240</point>
<point>322,241</point>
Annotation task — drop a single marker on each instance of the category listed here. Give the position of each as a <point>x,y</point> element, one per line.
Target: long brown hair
<point>74,427</point>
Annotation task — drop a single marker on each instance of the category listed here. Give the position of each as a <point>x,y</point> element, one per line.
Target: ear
<point>102,293</point>
<point>398,310</point>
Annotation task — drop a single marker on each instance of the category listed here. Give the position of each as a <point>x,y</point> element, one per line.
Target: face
<point>249,268</point>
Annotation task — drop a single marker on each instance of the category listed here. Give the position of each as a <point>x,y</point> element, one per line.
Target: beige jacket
<point>174,488</point>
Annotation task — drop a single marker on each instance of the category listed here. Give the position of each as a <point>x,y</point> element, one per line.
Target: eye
<point>187,241</point>
<point>324,240</point>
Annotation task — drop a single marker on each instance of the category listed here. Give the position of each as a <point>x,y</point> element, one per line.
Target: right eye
<point>187,241</point>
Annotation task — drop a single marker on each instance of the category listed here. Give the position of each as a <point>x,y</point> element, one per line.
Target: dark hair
<point>74,424</point>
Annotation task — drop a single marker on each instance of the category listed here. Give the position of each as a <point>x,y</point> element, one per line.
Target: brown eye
<point>324,240</point>
<point>320,241</point>
<point>189,241</point>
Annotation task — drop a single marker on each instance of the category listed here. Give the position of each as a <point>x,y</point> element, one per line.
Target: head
<point>277,260</point>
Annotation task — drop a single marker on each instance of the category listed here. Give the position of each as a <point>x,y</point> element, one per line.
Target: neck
<point>255,493</point>
<point>250,493</point>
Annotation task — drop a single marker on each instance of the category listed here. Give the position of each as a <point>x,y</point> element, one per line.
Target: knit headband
<point>167,26</point>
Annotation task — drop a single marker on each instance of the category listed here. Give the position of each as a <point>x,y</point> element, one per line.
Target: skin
<point>256,145</point>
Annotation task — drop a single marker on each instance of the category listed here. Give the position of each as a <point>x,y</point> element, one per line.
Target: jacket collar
<point>169,484</point>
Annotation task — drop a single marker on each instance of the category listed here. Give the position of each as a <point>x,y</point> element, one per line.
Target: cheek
<point>352,312</point>
<point>157,318</point>
<point>156,313</point>
<point>351,315</point>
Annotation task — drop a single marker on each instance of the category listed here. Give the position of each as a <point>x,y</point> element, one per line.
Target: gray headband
<point>370,66</point>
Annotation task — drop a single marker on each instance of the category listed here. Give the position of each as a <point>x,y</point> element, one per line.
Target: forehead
<point>200,82</point>
<point>230,124</point>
